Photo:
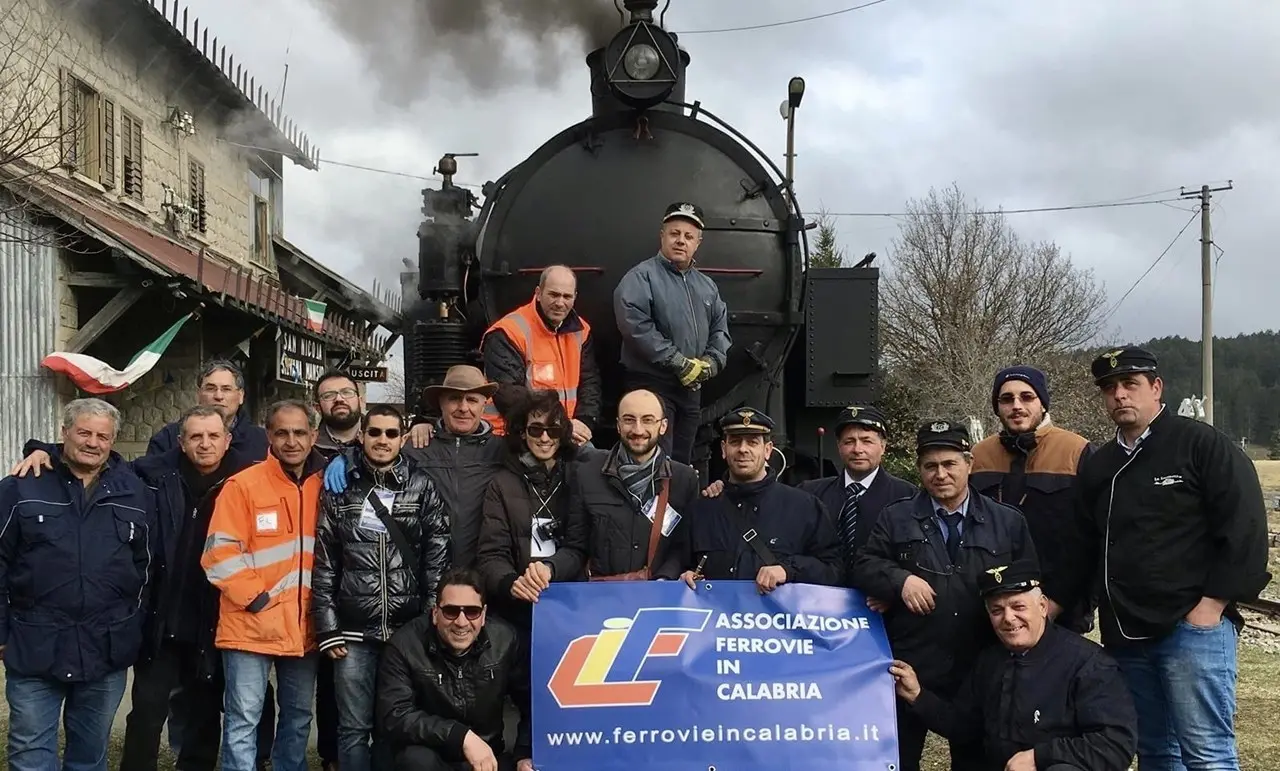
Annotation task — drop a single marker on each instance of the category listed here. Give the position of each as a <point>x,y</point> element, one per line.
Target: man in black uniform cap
<point>1171,519</point>
<point>922,563</point>
<point>1045,699</point>
<point>758,528</point>
<point>862,489</point>
<point>674,327</point>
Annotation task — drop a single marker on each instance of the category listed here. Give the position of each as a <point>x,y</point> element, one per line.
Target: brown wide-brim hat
<point>461,379</point>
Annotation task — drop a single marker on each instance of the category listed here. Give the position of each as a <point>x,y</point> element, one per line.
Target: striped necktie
<point>849,518</point>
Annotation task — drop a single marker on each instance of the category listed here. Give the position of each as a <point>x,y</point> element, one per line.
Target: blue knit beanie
<point>1033,377</point>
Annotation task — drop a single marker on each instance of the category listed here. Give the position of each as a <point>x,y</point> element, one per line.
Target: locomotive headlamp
<point>641,61</point>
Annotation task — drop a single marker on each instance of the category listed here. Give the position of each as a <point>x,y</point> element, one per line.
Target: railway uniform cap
<point>1122,361</point>
<point>943,433</point>
<point>684,210</point>
<point>746,420</point>
<point>867,417</point>
<point>1018,576</point>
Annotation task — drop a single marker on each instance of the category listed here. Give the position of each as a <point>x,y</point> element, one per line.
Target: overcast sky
<point>1022,104</point>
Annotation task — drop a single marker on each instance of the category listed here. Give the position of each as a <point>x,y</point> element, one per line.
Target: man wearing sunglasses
<point>442,682</point>
<point>381,547</point>
<point>1031,465</point>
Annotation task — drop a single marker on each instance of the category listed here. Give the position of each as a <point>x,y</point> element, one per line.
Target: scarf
<point>544,482</point>
<point>638,478</point>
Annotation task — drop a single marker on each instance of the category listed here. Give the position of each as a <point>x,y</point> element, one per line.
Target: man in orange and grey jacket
<point>259,554</point>
<point>545,345</point>
<point>1031,465</point>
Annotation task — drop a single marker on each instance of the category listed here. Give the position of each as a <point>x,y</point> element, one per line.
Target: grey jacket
<point>663,314</point>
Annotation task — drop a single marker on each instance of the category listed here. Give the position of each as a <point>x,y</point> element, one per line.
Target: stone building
<point>142,176</point>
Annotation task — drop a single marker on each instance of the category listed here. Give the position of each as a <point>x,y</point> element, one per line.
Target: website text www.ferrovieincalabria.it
<point>691,734</point>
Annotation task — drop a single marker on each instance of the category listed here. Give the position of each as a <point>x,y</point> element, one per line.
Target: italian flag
<point>98,377</point>
<point>315,315</point>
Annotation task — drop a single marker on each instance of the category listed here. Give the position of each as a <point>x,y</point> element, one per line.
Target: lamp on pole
<point>795,94</point>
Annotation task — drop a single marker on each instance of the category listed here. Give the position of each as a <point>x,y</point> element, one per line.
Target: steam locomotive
<point>592,197</point>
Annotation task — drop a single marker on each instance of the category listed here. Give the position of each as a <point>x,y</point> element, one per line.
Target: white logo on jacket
<point>1171,479</point>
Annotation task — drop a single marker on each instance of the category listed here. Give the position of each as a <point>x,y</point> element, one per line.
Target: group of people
<point>385,566</point>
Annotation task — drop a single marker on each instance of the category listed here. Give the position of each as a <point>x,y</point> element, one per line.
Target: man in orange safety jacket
<point>259,554</point>
<point>545,345</point>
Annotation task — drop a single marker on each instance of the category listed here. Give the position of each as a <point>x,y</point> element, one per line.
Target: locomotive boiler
<point>592,197</point>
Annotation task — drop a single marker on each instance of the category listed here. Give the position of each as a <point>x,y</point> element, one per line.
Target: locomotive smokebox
<point>642,67</point>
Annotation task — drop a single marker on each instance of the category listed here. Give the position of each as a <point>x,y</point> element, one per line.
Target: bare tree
<point>40,120</point>
<point>393,389</point>
<point>964,296</point>
<point>827,252</point>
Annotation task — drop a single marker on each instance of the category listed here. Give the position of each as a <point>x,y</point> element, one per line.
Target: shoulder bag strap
<point>407,551</point>
<point>659,517</point>
<point>753,539</point>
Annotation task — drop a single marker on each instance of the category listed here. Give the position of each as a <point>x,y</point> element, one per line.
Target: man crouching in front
<point>441,684</point>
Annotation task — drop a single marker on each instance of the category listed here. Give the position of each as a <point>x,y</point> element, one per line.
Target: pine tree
<point>826,253</point>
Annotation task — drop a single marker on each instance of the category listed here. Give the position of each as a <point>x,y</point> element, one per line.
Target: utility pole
<point>1205,194</point>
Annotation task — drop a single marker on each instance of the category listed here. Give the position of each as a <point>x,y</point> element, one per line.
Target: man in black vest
<point>862,489</point>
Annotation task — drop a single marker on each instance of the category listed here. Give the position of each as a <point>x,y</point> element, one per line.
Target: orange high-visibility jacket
<point>262,539</point>
<point>553,361</point>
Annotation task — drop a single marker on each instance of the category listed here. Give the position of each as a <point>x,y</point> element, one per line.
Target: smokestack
<point>641,10</point>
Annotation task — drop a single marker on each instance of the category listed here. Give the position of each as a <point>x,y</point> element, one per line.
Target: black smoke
<point>490,44</point>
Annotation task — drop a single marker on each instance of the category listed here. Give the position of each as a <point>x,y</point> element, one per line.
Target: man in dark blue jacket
<point>862,490</point>
<point>758,528</point>
<point>76,554</point>
<point>221,386</point>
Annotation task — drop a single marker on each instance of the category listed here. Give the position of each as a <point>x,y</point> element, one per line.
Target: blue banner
<point>654,675</point>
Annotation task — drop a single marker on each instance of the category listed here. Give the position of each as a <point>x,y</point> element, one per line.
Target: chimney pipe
<point>641,10</point>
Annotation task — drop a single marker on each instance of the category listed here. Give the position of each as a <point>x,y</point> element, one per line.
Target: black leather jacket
<point>363,587</point>
<point>430,696</point>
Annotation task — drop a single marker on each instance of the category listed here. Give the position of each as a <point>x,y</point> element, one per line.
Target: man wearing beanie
<point>1031,465</point>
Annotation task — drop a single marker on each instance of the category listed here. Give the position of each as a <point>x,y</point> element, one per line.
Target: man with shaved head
<point>545,345</point>
<point>624,490</point>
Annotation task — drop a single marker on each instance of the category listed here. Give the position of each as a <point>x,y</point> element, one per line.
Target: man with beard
<point>622,491</point>
<point>921,565</point>
<point>1044,699</point>
<point>381,548</point>
<point>221,386</point>
<point>1031,465</point>
<point>674,326</point>
<point>863,488</point>
<point>758,528</point>
<point>460,459</point>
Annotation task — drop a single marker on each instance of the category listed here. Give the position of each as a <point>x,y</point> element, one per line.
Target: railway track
<point>1266,607</point>
<point>1269,610</point>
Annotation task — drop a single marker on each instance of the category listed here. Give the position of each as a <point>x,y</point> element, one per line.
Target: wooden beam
<point>86,278</point>
<point>103,319</point>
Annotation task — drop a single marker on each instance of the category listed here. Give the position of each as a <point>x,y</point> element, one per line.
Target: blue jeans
<point>355,680</point>
<point>246,690</point>
<point>36,703</point>
<point>1184,690</point>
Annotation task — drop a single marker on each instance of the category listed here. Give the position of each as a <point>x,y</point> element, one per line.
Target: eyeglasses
<point>345,393</point>
<point>1025,398</point>
<point>390,433</point>
<point>451,612</point>
<point>648,421</point>
<point>537,430</point>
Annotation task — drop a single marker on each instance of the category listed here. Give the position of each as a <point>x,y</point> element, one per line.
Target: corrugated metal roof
<point>28,330</point>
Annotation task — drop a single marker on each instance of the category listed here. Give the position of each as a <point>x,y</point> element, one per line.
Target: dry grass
<point>1268,475</point>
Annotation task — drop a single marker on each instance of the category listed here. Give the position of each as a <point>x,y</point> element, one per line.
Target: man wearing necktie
<point>862,489</point>
<point>921,564</point>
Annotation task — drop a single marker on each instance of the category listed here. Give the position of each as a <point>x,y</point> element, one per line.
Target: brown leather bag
<point>655,535</point>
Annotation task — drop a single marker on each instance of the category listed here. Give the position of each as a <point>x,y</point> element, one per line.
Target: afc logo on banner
<point>601,670</point>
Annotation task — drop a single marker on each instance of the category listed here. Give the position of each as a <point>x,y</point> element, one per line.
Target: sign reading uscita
<point>719,676</point>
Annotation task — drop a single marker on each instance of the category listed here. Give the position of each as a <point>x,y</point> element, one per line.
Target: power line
<point>1150,268</point>
<point>771,25</point>
<point>1070,207</point>
<point>361,167</point>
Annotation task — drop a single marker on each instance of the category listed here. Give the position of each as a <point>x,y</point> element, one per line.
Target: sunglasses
<point>451,612</point>
<point>537,430</point>
<point>1025,398</point>
<point>390,433</point>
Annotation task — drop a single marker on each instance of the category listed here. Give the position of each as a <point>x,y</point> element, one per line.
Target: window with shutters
<point>260,219</point>
<point>88,125</point>
<point>195,197</point>
<point>131,156</point>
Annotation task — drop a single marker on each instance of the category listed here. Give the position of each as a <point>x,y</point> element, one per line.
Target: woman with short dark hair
<point>527,538</point>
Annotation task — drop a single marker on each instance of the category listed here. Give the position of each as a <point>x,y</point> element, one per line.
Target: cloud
<point>1021,105</point>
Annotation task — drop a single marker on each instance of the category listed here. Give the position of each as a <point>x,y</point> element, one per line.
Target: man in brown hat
<point>461,458</point>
